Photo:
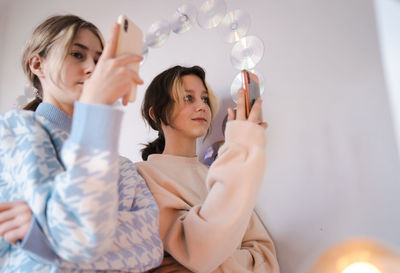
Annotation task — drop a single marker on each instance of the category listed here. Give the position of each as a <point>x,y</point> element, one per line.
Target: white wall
<point>333,171</point>
<point>3,26</point>
<point>388,21</point>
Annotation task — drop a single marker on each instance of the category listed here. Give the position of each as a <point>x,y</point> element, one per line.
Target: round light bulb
<point>361,267</point>
<point>358,255</point>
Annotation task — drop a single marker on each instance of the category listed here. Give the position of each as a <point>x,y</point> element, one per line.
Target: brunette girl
<point>207,218</point>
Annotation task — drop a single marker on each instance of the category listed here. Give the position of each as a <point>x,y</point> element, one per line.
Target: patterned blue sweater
<point>67,171</point>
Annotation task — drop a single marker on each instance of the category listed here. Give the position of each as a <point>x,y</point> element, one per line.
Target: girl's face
<point>193,119</point>
<point>77,68</point>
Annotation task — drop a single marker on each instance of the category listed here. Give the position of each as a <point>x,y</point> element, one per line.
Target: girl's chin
<point>202,134</point>
<point>79,89</point>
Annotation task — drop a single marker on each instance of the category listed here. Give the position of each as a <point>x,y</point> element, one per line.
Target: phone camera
<point>126,25</point>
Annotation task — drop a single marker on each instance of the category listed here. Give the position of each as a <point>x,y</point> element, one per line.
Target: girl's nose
<point>90,65</point>
<point>201,105</point>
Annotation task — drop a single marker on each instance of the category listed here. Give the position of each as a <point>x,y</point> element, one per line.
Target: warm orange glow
<point>358,255</point>
<point>361,267</point>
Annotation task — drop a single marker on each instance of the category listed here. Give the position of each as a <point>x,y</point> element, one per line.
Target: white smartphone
<point>130,41</point>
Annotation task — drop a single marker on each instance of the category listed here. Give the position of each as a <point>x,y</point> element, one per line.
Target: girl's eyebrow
<point>191,91</point>
<point>85,48</point>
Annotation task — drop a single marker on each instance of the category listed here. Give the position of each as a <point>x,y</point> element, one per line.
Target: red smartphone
<point>251,86</point>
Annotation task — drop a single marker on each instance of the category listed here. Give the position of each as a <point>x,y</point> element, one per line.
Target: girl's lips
<point>199,119</point>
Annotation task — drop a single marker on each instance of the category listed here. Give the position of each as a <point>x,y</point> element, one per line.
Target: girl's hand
<point>111,79</point>
<point>15,220</point>
<point>255,111</point>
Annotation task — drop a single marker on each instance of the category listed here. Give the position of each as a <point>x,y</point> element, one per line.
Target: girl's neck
<point>180,146</point>
<point>65,107</point>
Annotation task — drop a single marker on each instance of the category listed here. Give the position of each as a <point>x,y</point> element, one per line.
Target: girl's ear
<point>153,117</point>
<point>36,66</point>
<point>151,114</point>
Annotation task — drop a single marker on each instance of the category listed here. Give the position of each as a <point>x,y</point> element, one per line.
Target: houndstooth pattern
<point>71,191</point>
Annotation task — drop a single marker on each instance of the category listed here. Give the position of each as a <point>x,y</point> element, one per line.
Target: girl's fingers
<point>8,226</point>
<point>125,60</point>
<point>112,78</point>
<point>7,215</point>
<point>135,80</point>
<point>241,107</point>
<point>263,124</point>
<point>231,114</point>
<point>125,99</point>
<point>18,213</point>
<point>111,45</point>
<point>255,111</point>
<point>18,225</point>
<point>127,75</point>
<point>12,236</point>
<point>254,114</point>
<point>135,77</point>
<point>10,204</point>
<point>15,235</point>
<point>4,206</point>
<point>9,210</point>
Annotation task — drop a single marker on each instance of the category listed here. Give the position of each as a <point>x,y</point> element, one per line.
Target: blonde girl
<point>70,202</point>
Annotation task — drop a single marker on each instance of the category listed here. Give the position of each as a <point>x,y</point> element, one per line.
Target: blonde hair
<point>60,29</point>
<point>178,94</point>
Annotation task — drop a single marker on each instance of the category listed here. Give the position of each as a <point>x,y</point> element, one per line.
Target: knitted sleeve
<point>136,247</point>
<point>73,194</point>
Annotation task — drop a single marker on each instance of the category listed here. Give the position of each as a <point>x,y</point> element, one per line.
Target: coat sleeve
<point>71,192</point>
<point>205,236</point>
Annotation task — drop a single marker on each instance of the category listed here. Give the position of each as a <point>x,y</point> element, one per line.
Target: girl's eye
<point>206,100</point>
<point>77,55</point>
<point>188,98</point>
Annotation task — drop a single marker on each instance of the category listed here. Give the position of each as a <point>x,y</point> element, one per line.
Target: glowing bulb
<point>361,268</point>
